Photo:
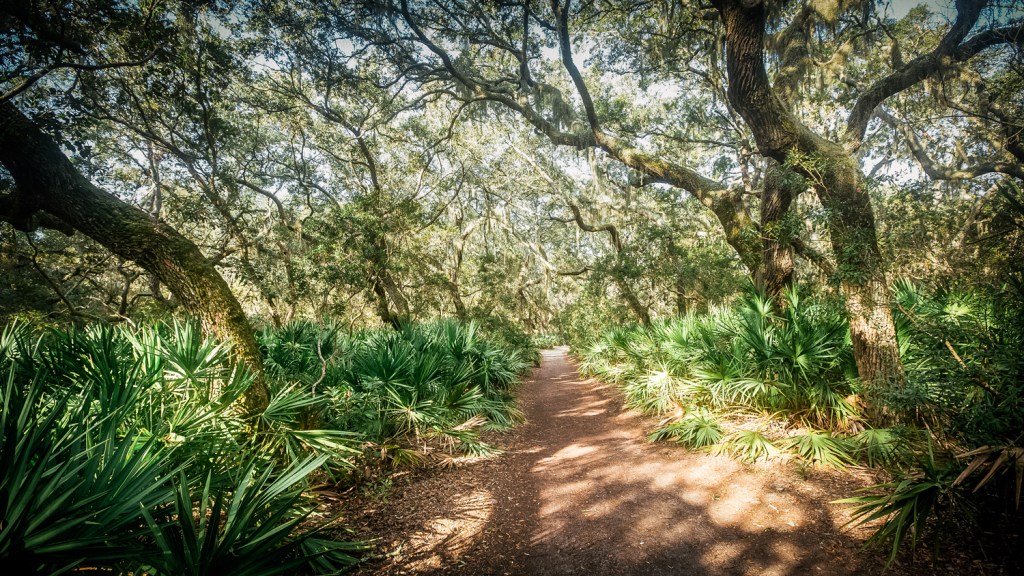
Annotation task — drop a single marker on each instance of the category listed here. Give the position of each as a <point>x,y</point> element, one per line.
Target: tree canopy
<point>807,213</point>
<point>534,162</point>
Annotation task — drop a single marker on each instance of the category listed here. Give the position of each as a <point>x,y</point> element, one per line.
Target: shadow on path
<point>581,491</point>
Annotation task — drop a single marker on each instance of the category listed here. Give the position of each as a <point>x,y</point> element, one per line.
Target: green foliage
<point>106,433</point>
<point>423,388</point>
<point>655,391</point>
<point>747,445</point>
<point>790,361</point>
<point>546,340</point>
<point>787,360</point>
<point>71,485</point>
<point>246,530</point>
<point>964,350</point>
<point>584,322</point>
<point>696,430</point>
<point>504,332</point>
<point>878,446</point>
<point>796,362</point>
<point>905,504</point>
<point>820,449</point>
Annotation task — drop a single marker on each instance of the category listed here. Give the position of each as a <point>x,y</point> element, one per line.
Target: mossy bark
<point>781,187</point>
<point>836,178</point>
<point>47,182</point>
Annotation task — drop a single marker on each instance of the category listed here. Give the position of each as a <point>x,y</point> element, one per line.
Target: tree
<point>47,182</point>
<point>832,168</point>
<point>493,54</point>
<point>49,42</point>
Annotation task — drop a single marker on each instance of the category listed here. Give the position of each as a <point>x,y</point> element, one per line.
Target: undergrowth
<point>127,450</point>
<point>767,379</point>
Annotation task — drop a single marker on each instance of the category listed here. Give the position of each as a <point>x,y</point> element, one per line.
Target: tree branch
<point>612,231</point>
<point>936,171</point>
<point>565,49</point>
<point>948,51</point>
<point>813,256</point>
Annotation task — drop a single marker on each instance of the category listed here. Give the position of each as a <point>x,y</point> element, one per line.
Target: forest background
<point>821,200</point>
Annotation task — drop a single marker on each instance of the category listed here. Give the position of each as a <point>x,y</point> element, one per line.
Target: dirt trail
<point>579,490</point>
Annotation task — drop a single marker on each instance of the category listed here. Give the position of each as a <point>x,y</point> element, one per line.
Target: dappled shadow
<point>581,491</point>
<point>441,540</point>
<point>612,503</point>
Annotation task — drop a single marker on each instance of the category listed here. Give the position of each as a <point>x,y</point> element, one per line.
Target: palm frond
<point>746,445</point>
<point>696,430</point>
<point>820,449</point>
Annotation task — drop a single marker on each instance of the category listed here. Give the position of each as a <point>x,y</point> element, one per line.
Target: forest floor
<point>580,490</point>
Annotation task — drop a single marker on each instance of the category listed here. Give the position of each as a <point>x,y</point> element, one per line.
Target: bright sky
<point>899,8</point>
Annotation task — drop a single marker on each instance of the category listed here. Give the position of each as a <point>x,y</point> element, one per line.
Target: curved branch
<point>612,231</point>
<point>565,49</point>
<point>267,194</point>
<point>936,171</point>
<point>951,49</point>
<point>813,256</point>
<point>726,204</point>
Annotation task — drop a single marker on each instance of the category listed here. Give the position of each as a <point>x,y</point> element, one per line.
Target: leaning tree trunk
<point>384,287</point>
<point>387,316</point>
<point>838,182</point>
<point>47,182</point>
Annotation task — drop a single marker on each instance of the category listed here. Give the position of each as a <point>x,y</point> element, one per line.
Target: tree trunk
<point>641,311</point>
<point>395,294</point>
<point>460,306</point>
<point>48,182</point>
<point>838,182</point>
<point>780,188</point>
<point>862,278</point>
<point>681,307</point>
<point>387,293</point>
<point>387,316</point>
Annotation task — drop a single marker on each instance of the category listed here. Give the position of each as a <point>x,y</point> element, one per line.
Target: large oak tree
<point>59,44</point>
<point>487,54</point>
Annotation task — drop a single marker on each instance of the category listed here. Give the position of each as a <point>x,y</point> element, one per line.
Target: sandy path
<point>579,490</point>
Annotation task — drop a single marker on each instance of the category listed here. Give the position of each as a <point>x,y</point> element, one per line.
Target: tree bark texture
<point>48,182</point>
<point>385,288</point>
<point>387,316</point>
<point>781,187</point>
<point>839,185</point>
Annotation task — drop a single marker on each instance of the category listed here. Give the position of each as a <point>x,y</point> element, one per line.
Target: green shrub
<point>960,414</point>
<point>246,530</point>
<point>407,392</point>
<point>796,362</point>
<point>963,350</point>
<point>696,430</point>
<point>107,431</point>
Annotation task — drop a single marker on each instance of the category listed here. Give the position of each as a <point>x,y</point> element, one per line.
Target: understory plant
<point>128,450</point>
<point>407,393</point>
<point>963,411</point>
<point>117,443</point>
<point>757,379</point>
<point>765,379</point>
